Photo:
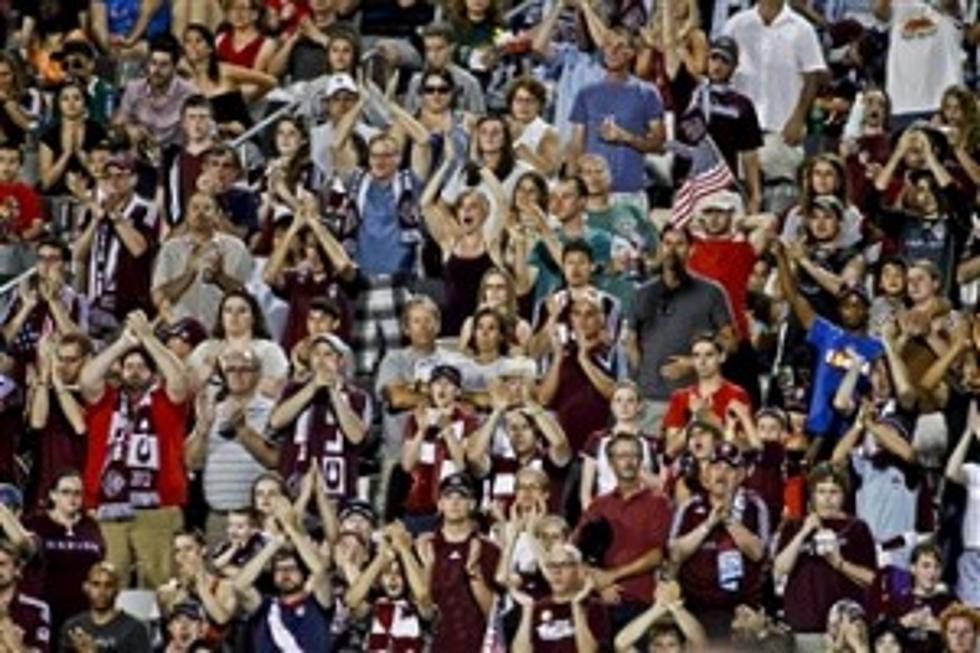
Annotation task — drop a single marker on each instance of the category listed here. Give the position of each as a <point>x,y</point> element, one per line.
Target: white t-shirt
<point>924,57</point>
<point>771,62</point>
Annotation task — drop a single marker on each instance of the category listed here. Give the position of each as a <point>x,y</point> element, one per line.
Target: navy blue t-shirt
<point>306,623</point>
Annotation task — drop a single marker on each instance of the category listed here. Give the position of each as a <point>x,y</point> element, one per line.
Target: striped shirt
<point>230,469</point>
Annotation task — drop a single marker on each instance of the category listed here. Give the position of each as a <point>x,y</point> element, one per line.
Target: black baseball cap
<point>726,48</point>
<point>459,483</point>
<point>357,507</point>
<point>448,372</point>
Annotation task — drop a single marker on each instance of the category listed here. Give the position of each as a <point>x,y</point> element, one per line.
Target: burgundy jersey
<point>580,407</point>
<point>316,437</point>
<point>553,629</point>
<point>435,462</point>
<point>718,575</point>
<point>813,585</point>
<point>34,618</point>
<point>64,556</point>
<point>461,622</point>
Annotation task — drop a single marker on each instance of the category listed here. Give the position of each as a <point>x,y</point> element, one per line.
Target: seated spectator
<point>828,557</point>
<point>125,27</point>
<point>103,624</point>
<point>22,102</point>
<point>185,628</point>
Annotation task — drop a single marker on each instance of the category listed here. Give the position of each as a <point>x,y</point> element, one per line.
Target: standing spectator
<point>383,232</point>
<point>65,146</point>
<point>194,270</point>
<point>666,314</point>
<point>618,118</point>
<point>134,473</point>
<point>116,246</point>
<point>230,442</point>
<point>730,116</point>
<point>150,106</point>
<point>624,534</point>
<point>56,413</point>
<point>437,437</point>
<point>967,474</point>
<point>243,43</point>
<point>960,628</point>
<point>21,219</point>
<point>103,624</point>
<point>183,163</point>
<point>324,421</point>
<point>68,543</point>
<point>827,557</point>
<point>780,67</point>
<point>582,374</point>
<point>569,619</point>
<point>709,399</point>
<point>667,625</point>
<point>459,565</point>
<point>438,47</point>
<point>719,539</point>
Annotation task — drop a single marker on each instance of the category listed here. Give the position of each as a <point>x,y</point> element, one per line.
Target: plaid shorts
<point>377,321</point>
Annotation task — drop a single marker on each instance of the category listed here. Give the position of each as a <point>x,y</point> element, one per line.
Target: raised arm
<point>175,374</point>
<point>93,374</point>
<point>542,43</point>
<point>801,307</point>
<point>954,467</point>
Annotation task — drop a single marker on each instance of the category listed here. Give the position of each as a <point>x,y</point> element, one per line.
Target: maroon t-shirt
<point>813,585</point>
<point>581,409</point>
<point>639,523</point>
<point>553,629</point>
<point>56,447</point>
<point>34,618</point>
<point>718,575</point>
<point>461,623</point>
<point>315,435</point>
<point>60,567</point>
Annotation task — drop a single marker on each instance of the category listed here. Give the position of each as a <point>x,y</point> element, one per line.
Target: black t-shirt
<point>733,123</point>
<point>124,634</point>
<point>94,133</point>
<point>53,16</point>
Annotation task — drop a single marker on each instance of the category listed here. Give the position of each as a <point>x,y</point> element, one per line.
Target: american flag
<point>708,173</point>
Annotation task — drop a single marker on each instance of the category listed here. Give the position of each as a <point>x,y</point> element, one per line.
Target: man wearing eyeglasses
<point>229,441</point>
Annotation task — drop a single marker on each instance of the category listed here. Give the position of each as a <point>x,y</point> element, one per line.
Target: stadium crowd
<point>477,325</point>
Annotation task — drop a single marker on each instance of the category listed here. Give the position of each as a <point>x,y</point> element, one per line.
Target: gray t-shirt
<point>664,321</point>
<point>124,634</point>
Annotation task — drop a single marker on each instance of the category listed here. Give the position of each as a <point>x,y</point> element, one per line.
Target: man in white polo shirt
<point>780,68</point>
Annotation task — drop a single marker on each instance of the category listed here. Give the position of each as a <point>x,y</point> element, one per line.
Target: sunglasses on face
<point>433,90</point>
